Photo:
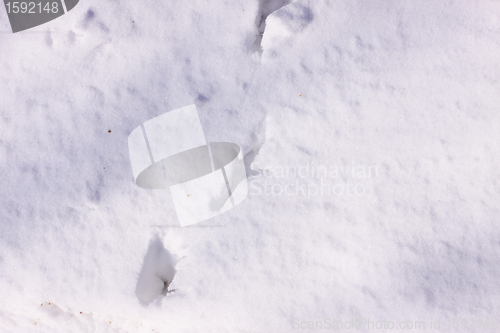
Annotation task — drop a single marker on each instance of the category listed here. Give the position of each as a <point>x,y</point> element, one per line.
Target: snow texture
<point>371,132</point>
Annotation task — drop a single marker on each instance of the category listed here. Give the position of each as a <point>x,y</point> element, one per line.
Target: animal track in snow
<point>157,273</point>
<point>266,7</point>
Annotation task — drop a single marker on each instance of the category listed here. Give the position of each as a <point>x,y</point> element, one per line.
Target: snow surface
<point>393,103</point>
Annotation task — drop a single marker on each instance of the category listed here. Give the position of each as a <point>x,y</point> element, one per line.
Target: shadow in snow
<point>158,270</point>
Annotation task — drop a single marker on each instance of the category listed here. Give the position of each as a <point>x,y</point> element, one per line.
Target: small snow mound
<point>296,16</point>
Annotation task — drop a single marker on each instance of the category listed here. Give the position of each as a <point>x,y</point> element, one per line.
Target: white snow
<point>371,131</point>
